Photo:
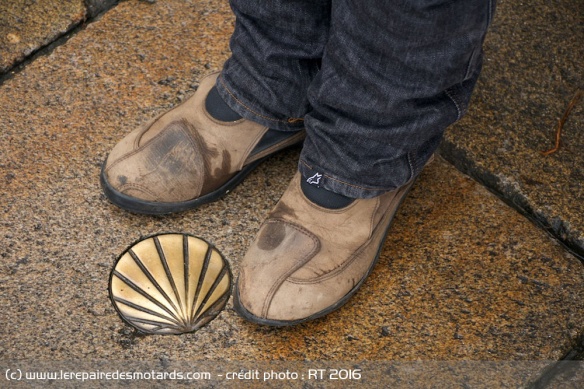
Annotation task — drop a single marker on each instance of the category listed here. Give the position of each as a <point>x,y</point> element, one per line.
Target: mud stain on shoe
<point>222,171</point>
<point>271,236</point>
<point>213,179</point>
<point>168,150</point>
<point>176,159</point>
<point>219,176</point>
<point>170,155</point>
<point>207,153</point>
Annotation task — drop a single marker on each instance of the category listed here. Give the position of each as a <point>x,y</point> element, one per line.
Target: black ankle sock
<point>323,197</point>
<point>218,108</point>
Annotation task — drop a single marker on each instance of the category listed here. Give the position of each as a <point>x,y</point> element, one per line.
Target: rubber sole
<point>135,205</point>
<point>243,312</point>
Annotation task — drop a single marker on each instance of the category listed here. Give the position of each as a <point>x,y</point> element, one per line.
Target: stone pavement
<point>462,278</point>
<point>533,70</point>
<point>27,26</point>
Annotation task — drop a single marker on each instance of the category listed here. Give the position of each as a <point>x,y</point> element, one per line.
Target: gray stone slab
<point>26,26</point>
<point>562,375</point>
<point>532,70</point>
<point>461,277</point>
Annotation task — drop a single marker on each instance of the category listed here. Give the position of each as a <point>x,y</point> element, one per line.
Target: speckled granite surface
<point>462,276</point>
<point>532,70</point>
<point>25,26</point>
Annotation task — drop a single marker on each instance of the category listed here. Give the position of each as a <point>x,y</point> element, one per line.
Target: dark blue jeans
<point>375,83</point>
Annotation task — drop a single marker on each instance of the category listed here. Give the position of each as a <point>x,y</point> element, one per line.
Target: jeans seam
<point>459,112</point>
<point>471,62</point>
<point>412,169</point>
<point>346,183</point>
<point>290,120</point>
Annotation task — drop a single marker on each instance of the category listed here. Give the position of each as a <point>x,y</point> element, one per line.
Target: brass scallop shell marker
<point>170,284</point>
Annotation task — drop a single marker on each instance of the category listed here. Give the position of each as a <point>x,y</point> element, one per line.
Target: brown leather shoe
<point>307,260</point>
<point>186,158</point>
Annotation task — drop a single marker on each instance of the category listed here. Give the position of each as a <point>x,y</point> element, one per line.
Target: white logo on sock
<point>315,180</point>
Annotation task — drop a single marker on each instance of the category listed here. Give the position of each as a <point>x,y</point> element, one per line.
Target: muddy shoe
<point>308,260</point>
<point>186,158</point>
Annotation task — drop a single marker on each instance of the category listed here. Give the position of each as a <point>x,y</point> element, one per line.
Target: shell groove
<point>170,284</point>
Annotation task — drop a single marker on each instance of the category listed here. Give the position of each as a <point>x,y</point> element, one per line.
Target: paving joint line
<point>489,180</point>
<point>92,15</point>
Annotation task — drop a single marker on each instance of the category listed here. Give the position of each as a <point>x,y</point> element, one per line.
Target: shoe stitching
<point>220,122</point>
<point>154,139</point>
<point>250,148</point>
<point>153,121</point>
<point>138,147</point>
<point>328,210</point>
<point>357,253</point>
<point>140,188</point>
<point>144,131</point>
<point>198,142</point>
<point>344,265</point>
<point>217,121</point>
<point>273,148</point>
<point>234,123</point>
<point>278,282</point>
<point>336,271</point>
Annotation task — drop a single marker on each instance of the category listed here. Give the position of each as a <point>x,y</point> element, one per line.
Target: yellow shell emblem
<point>170,284</point>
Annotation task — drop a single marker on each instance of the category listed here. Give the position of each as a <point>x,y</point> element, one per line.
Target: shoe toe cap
<point>289,275</point>
<point>166,168</point>
<point>292,302</point>
<point>279,250</point>
<point>265,289</point>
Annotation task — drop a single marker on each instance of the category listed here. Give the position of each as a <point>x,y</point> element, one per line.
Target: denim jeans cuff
<point>229,94</point>
<point>318,176</point>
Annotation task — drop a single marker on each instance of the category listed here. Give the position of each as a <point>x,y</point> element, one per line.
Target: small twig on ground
<point>573,102</point>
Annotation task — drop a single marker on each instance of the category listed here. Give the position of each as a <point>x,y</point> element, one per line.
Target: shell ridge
<point>212,310</point>
<point>144,294</point>
<point>157,325</point>
<point>146,274</point>
<point>210,292</point>
<point>201,279</point>
<point>170,277</point>
<point>153,280</point>
<point>186,260</point>
<point>145,310</point>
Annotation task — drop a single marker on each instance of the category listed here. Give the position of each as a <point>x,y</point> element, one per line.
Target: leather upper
<point>182,154</point>
<point>306,258</point>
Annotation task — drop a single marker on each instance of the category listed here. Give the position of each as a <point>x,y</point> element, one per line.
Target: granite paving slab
<point>532,71</point>
<point>462,276</point>
<point>27,26</point>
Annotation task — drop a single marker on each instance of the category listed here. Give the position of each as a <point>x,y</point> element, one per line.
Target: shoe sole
<point>242,311</point>
<point>135,205</point>
<point>144,207</point>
